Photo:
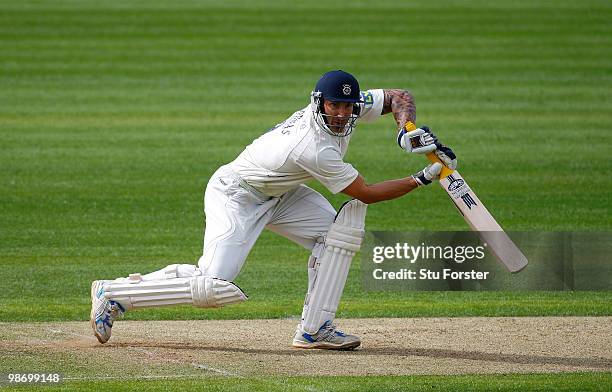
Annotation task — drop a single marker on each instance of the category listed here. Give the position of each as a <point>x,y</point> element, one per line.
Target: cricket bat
<point>478,217</point>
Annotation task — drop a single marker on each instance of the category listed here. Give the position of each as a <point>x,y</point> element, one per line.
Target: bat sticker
<point>456,184</point>
<point>458,188</point>
<point>468,200</point>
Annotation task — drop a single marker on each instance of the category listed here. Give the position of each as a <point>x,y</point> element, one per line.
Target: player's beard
<point>337,123</point>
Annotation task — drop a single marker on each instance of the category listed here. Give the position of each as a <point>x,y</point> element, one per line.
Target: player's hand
<point>427,175</point>
<point>419,141</point>
<point>446,155</point>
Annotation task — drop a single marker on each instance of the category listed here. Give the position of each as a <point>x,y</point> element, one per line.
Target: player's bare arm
<point>381,191</point>
<point>401,104</point>
<point>391,189</point>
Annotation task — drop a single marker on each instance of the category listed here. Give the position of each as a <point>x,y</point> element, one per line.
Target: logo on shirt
<point>346,89</point>
<point>367,98</point>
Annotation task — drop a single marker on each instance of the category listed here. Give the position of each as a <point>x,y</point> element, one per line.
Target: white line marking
<point>143,377</point>
<point>215,370</point>
<point>155,355</point>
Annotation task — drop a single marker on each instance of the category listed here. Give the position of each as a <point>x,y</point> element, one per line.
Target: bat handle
<point>433,158</point>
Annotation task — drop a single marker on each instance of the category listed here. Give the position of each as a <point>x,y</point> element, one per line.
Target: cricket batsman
<point>264,188</point>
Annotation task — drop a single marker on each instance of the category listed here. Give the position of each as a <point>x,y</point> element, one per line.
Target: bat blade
<point>477,216</point>
<point>480,220</point>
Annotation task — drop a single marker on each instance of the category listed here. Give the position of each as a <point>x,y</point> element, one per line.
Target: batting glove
<point>419,141</point>
<point>446,155</point>
<point>427,175</point>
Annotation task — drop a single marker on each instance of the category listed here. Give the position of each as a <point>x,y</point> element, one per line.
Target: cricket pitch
<point>241,348</point>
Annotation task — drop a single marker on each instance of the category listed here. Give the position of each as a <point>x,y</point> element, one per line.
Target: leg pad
<point>331,268</point>
<point>200,291</point>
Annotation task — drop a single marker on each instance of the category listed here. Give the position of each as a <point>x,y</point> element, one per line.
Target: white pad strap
<point>343,240</point>
<point>200,291</point>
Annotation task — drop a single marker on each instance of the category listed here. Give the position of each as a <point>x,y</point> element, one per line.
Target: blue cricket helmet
<point>336,86</point>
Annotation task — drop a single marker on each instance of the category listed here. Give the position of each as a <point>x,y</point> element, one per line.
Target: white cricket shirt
<point>298,150</point>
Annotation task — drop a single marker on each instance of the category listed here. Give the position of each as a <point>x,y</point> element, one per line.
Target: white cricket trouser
<point>236,216</point>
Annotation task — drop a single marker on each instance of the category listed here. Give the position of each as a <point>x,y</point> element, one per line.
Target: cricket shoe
<point>103,311</point>
<point>328,337</point>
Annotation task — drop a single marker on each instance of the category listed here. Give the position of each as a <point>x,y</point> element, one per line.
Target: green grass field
<point>113,117</point>
<point>540,382</point>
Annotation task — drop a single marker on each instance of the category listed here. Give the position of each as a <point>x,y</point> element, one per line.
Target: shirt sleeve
<point>329,169</point>
<point>372,105</point>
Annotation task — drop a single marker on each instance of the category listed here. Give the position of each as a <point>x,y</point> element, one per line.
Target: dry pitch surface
<point>167,349</point>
